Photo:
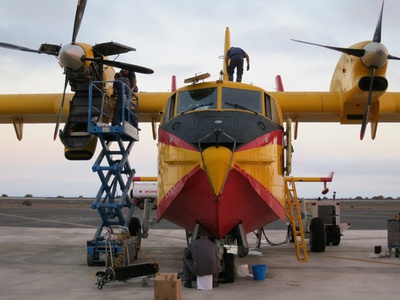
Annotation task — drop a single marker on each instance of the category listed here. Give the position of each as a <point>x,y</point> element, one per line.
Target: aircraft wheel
<point>336,237</point>
<point>317,235</point>
<point>229,261</point>
<point>328,237</point>
<point>290,233</point>
<point>134,227</point>
<point>145,281</point>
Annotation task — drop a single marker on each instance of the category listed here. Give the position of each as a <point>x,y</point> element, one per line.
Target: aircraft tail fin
<point>226,48</point>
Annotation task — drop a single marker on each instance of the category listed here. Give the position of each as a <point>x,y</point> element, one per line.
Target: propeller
<point>349,51</point>
<point>121,65</point>
<point>61,106</point>
<point>72,56</point>
<point>25,49</point>
<point>80,9</point>
<point>367,109</point>
<point>376,39</point>
<point>374,55</point>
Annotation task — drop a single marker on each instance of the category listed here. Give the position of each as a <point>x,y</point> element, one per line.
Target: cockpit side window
<point>271,111</point>
<point>268,112</point>
<point>169,109</point>
<point>197,100</point>
<point>242,99</point>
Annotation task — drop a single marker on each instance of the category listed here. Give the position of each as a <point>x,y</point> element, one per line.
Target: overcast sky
<point>186,37</point>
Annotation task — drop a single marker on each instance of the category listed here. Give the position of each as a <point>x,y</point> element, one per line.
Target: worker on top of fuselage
<point>234,59</point>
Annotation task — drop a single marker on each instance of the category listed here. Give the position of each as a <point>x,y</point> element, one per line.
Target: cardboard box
<point>167,286</point>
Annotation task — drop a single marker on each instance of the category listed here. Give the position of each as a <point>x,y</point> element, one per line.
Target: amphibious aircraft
<point>224,153</point>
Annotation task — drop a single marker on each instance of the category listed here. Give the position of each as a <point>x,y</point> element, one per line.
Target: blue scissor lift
<point>114,170</point>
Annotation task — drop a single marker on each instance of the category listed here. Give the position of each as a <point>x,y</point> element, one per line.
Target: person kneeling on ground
<point>201,258</point>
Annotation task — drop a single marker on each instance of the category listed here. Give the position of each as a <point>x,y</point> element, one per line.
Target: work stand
<point>114,170</point>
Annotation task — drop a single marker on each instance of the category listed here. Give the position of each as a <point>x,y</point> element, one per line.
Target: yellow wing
<point>43,108</point>
<point>32,108</point>
<point>331,107</point>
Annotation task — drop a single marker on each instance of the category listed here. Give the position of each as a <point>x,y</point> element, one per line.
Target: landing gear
<point>135,229</point>
<point>227,274</point>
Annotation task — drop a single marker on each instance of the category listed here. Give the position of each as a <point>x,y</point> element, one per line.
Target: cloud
<point>186,38</point>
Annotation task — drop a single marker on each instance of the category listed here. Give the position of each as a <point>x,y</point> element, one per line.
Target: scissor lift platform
<point>125,132</point>
<point>113,168</point>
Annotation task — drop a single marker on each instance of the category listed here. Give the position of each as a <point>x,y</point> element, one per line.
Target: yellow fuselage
<point>221,158</point>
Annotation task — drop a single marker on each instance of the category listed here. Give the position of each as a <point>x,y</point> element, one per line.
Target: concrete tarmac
<point>50,263</point>
<point>78,213</point>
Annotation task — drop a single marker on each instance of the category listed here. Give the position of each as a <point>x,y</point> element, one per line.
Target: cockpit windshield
<point>242,99</point>
<point>197,99</point>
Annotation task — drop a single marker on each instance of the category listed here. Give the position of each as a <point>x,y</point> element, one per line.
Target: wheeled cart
<point>328,213</point>
<point>119,266</point>
<point>122,273</point>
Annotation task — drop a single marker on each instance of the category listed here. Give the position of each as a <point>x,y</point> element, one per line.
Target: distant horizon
<point>379,197</point>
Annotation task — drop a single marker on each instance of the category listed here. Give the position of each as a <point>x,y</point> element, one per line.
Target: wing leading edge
<point>331,107</point>
<point>19,109</point>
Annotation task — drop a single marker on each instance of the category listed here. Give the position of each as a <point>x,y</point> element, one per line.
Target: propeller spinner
<point>70,56</point>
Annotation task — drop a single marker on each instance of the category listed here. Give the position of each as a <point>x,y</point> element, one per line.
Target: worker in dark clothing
<point>201,258</point>
<point>132,79</point>
<point>234,60</point>
<point>121,85</point>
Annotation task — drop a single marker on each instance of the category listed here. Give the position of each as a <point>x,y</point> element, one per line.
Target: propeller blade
<point>25,49</point>
<point>367,109</point>
<point>349,51</point>
<point>121,65</point>
<point>80,9</point>
<point>393,57</point>
<point>378,29</point>
<point>61,106</point>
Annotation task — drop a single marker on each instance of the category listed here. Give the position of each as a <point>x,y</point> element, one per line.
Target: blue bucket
<point>259,272</point>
